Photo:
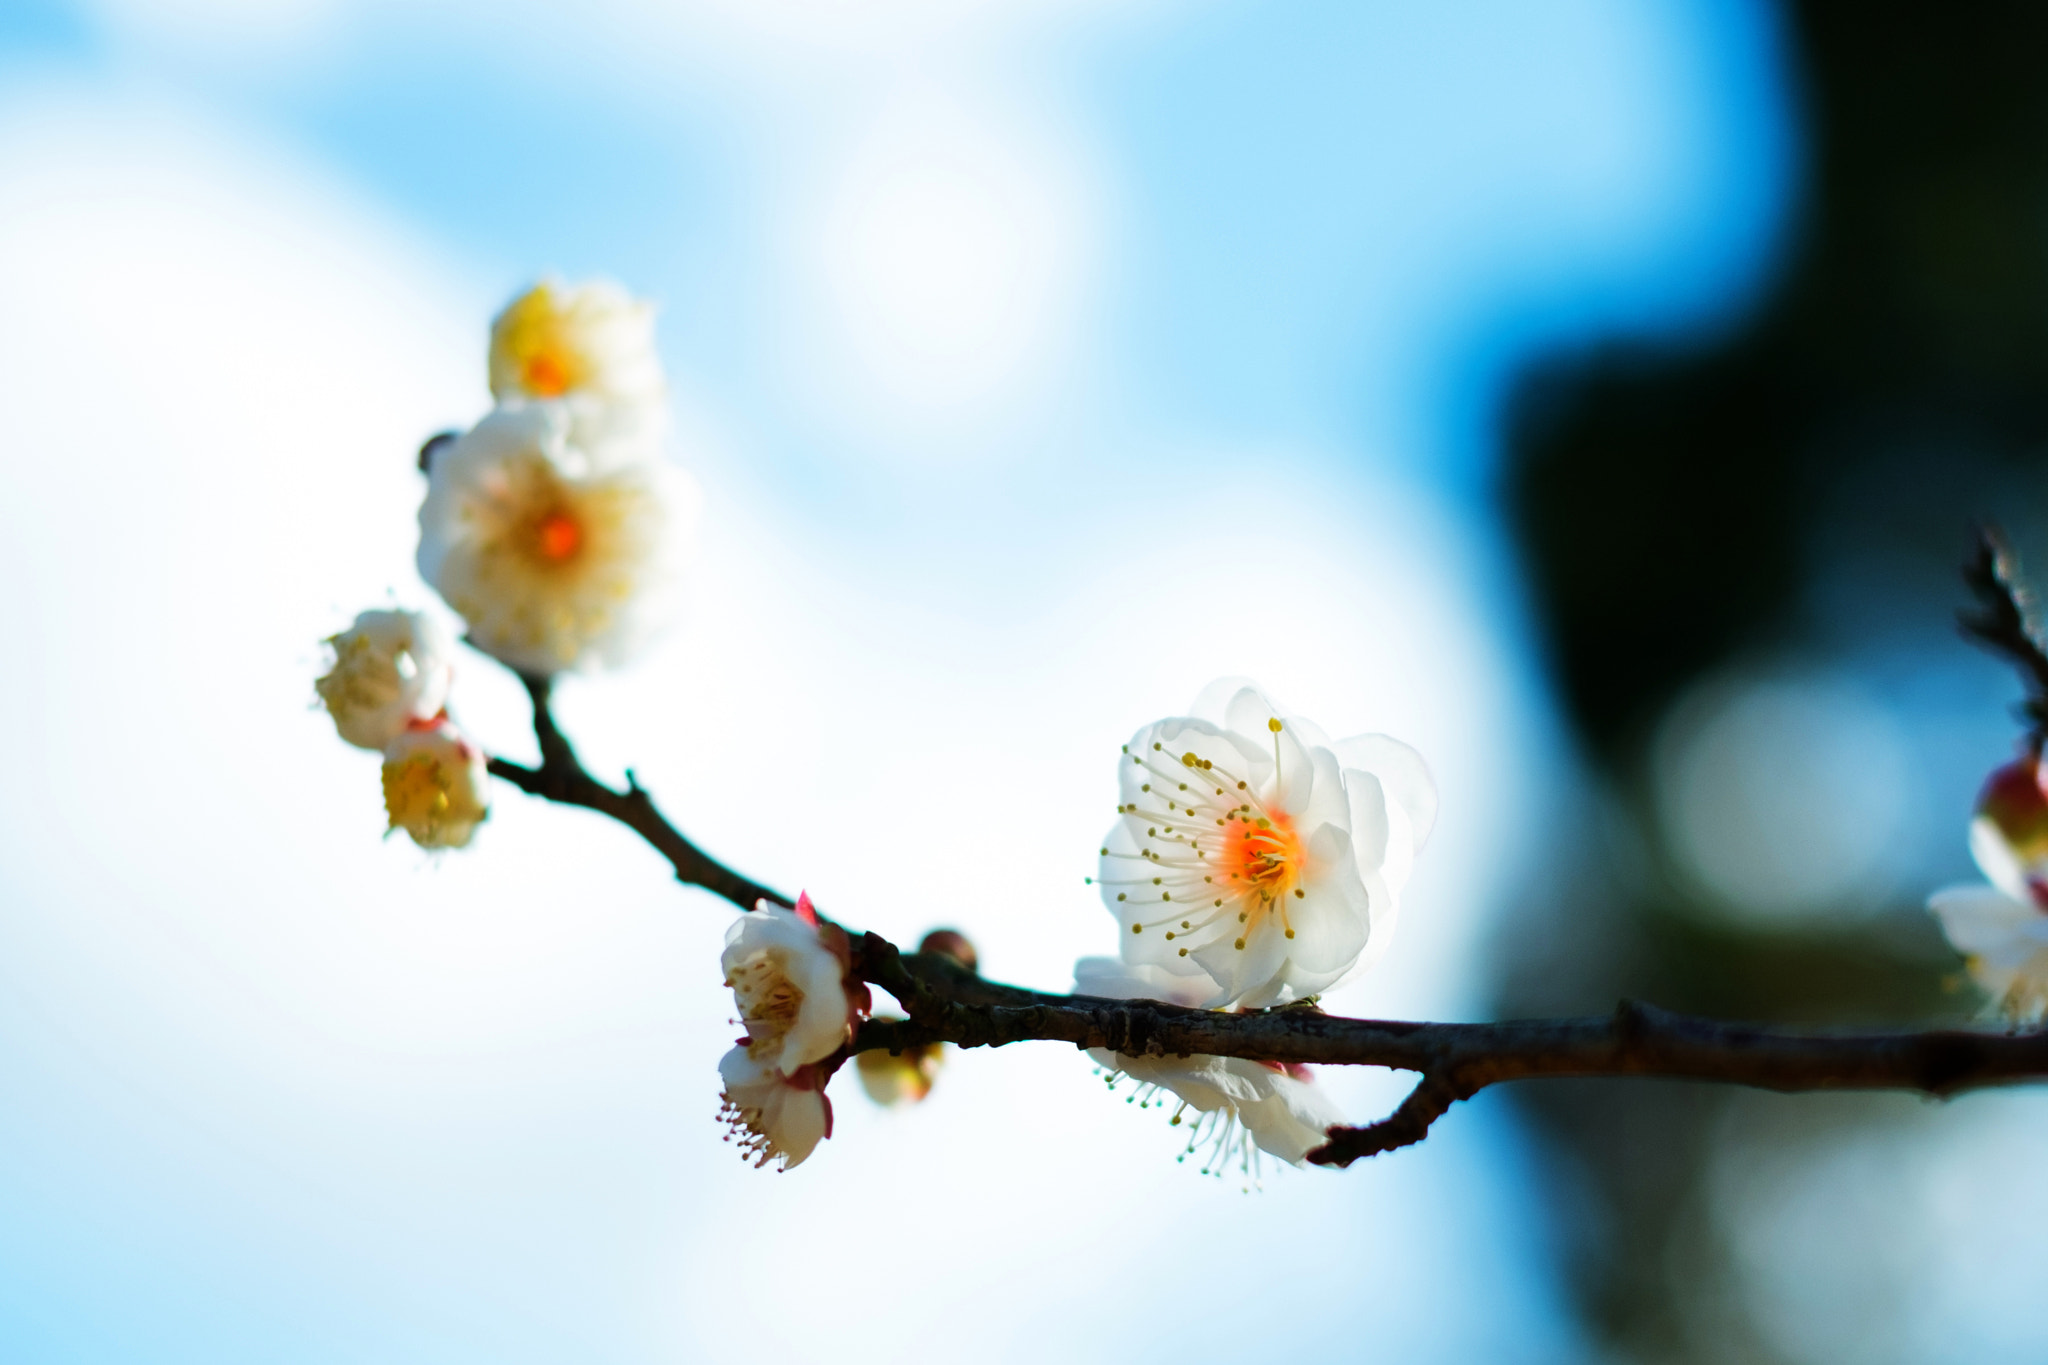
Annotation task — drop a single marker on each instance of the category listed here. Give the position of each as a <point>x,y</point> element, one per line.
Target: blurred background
<point>1595,394</point>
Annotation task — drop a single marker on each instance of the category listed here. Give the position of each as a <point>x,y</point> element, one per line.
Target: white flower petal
<point>1401,771</point>
<point>1293,1120</point>
<point>789,986</point>
<point>1981,919</point>
<point>774,1118</point>
<point>1114,979</point>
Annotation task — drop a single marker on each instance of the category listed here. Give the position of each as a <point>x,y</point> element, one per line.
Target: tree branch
<point>949,1003</point>
<point>1458,1060</point>
<point>562,777</point>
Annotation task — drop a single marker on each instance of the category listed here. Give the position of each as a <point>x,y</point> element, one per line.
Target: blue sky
<point>967,308</point>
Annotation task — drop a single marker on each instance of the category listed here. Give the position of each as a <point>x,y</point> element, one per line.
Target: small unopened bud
<point>2009,834</point>
<point>949,943</point>
<point>893,1078</point>
<point>391,670</point>
<point>436,786</point>
<point>2014,802</point>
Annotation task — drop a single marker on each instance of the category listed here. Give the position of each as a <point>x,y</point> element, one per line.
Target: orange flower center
<point>547,375</point>
<point>1262,856</point>
<point>557,536</point>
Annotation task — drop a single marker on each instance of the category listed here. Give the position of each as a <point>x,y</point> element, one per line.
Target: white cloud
<point>945,264</point>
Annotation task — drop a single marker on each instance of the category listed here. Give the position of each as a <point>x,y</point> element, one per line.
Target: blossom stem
<point>561,777</point>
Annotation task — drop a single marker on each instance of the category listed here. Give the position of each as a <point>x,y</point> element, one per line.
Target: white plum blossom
<point>799,1001</point>
<point>1252,852</point>
<point>589,347</point>
<point>790,977</point>
<point>1242,1107</point>
<point>391,670</point>
<point>2001,929</point>
<point>436,785</point>
<point>553,559</point>
<point>775,1117</point>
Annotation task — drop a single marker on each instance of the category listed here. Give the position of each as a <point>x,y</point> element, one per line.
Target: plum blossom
<point>1242,1107</point>
<point>589,347</point>
<point>1253,853</point>
<point>436,786</point>
<point>799,1000</point>
<point>391,670</point>
<point>554,560</point>
<point>775,1117</point>
<point>2001,929</point>
<point>791,977</point>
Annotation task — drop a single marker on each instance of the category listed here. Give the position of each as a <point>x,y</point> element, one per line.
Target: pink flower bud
<point>949,943</point>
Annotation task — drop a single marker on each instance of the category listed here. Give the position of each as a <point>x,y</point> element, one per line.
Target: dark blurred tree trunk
<point>1674,504</point>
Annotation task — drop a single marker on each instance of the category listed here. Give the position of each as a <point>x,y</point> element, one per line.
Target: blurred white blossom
<point>591,347</point>
<point>391,670</point>
<point>1240,1105</point>
<point>2002,929</point>
<point>554,559</point>
<point>1254,851</point>
<point>436,786</point>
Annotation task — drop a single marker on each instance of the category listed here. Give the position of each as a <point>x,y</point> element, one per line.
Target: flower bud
<point>2009,834</point>
<point>949,943</point>
<point>436,787</point>
<point>892,1078</point>
<point>391,670</point>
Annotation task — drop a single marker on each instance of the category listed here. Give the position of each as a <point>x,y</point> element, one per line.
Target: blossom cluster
<point>792,977</point>
<point>388,691</point>
<point>1254,861</point>
<point>553,527</point>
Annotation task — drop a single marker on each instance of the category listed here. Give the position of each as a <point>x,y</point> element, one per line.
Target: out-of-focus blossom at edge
<point>2002,929</point>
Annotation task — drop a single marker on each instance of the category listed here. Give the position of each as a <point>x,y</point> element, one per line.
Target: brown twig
<point>562,777</point>
<point>949,1003</point>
